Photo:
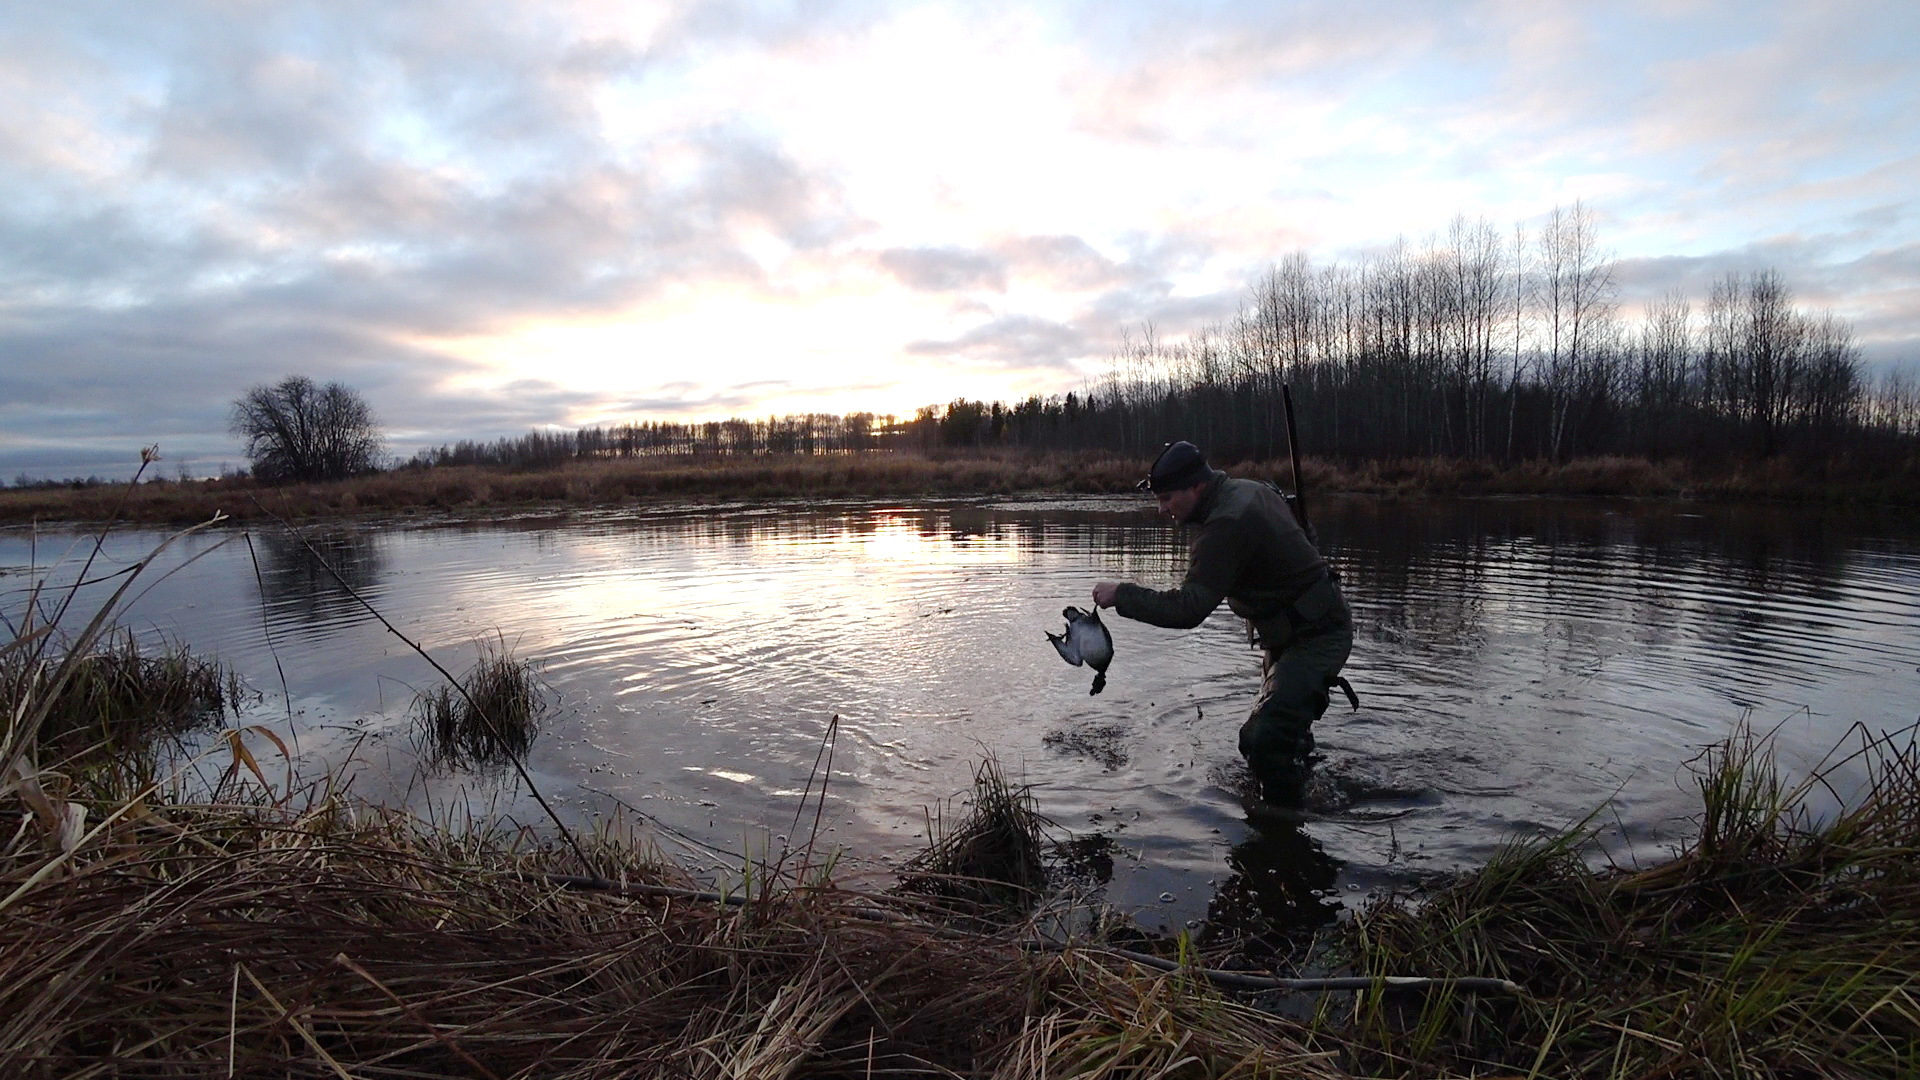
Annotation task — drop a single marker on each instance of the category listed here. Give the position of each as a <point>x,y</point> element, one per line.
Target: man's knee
<point>1278,733</point>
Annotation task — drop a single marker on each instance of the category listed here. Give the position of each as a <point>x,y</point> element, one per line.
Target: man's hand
<point>1104,593</point>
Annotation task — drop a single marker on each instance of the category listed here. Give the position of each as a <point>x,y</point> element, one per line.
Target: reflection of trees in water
<point>1443,579</point>
<point>1124,544</point>
<point>296,587</point>
<point>1440,576</point>
<point>1268,900</point>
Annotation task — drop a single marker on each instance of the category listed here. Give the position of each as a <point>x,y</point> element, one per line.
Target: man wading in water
<point>1253,553</point>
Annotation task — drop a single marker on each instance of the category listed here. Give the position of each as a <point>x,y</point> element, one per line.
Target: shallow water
<point>1520,664</point>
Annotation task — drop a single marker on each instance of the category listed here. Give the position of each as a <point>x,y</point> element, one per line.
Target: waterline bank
<point>615,483</point>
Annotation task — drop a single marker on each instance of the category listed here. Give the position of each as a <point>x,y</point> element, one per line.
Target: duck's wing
<point>1065,647</point>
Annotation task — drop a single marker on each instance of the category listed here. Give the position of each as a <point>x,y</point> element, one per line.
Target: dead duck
<point>1085,641</point>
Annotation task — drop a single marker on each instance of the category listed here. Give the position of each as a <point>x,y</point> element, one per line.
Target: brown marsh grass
<point>252,935</point>
<point>588,484</point>
<point>1776,944</point>
<point>989,859</point>
<point>473,489</point>
<point>302,934</point>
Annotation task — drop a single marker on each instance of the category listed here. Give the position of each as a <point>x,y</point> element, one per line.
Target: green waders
<point>1278,736</point>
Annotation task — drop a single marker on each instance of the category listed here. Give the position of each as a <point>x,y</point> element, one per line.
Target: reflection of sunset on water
<point>1519,664</point>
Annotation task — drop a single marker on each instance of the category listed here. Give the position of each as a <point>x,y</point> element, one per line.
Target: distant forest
<point>1478,344</point>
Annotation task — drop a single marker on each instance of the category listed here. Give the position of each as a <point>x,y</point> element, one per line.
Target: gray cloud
<point>1878,290</point>
<point>1116,298</point>
<point>1158,58</point>
<point>1065,262</point>
<point>300,195</point>
<point>683,398</point>
<point>947,269</point>
<point>1018,341</point>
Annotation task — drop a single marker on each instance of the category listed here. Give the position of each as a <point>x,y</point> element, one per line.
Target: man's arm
<point>1178,609</point>
<point>1217,558</point>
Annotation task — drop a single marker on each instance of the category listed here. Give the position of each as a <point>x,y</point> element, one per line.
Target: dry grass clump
<point>1105,1025</point>
<point>117,697</point>
<point>990,859</point>
<point>490,718</point>
<point>1774,946</point>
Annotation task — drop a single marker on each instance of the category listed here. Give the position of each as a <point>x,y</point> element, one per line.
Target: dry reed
<point>318,938</point>
<point>990,859</point>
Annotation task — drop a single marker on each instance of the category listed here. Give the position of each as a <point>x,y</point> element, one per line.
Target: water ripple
<point>1523,660</point>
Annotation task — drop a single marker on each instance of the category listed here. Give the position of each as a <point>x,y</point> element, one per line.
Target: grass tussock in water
<point>1775,945</point>
<point>115,696</point>
<point>991,857</point>
<point>491,717</point>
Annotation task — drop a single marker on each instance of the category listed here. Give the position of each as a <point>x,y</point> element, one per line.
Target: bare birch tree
<point>1577,304</point>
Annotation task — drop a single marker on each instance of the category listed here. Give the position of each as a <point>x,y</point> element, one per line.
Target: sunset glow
<point>496,217</point>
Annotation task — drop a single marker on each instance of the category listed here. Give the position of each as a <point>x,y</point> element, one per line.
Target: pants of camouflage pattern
<point>1278,736</point>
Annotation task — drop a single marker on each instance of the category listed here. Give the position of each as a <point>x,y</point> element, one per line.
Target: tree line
<point>1485,345</point>
<point>808,433</point>
<point>1477,343</point>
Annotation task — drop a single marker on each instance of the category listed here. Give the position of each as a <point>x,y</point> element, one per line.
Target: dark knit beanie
<point>1180,465</point>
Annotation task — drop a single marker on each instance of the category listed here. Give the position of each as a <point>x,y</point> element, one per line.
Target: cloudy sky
<point>492,215</point>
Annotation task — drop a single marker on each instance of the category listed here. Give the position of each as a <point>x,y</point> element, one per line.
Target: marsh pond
<point>1521,664</point>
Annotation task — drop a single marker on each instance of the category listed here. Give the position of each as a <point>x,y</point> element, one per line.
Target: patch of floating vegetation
<point>1104,744</point>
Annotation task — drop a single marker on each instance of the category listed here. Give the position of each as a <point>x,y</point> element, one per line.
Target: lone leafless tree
<point>297,431</point>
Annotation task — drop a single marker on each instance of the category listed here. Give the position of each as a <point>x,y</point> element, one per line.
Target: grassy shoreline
<point>612,484</point>
<point>302,934</point>
<point>266,929</point>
